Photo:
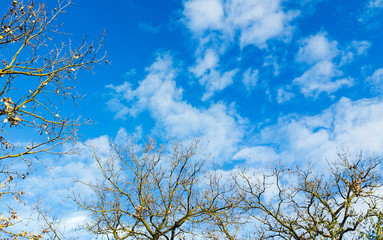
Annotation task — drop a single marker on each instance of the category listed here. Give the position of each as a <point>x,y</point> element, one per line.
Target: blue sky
<point>234,72</point>
<point>261,81</point>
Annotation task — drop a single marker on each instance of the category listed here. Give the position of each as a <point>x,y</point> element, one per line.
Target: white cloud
<point>375,3</point>
<point>158,86</point>
<point>150,28</point>
<point>347,125</point>
<point>115,105</point>
<point>215,81</point>
<point>284,95</point>
<point>219,24</point>
<point>130,73</point>
<point>257,155</point>
<point>204,14</point>
<point>318,79</point>
<point>53,181</point>
<point>102,144</point>
<point>326,60</point>
<point>256,21</point>
<point>158,93</point>
<point>51,184</point>
<point>376,80</point>
<point>209,76</point>
<point>60,176</point>
<point>74,221</point>
<point>355,48</point>
<point>317,48</point>
<point>361,46</point>
<point>271,60</point>
<point>370,14</point>
<point>208,62</point>
<point>250,78</point>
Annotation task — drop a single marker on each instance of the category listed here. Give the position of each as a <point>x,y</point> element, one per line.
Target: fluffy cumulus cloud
<point>346,126</point>
<point>324,74</point>
<point>158,93</point>
<point>255,21</point>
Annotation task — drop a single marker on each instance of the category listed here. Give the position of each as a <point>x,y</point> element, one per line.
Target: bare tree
<point>158,193</point>
<point>37,75</point>
<point>308,205</point>
<point>372,228</point>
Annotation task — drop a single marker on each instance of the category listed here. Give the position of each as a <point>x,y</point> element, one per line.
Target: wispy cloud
<point>361,46</point>
<point>250,78</point>
<point>375,4</point>
<point>376,81</point>
<point>150,28</point>
<point>284,94</point>
<point>369,14</point>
